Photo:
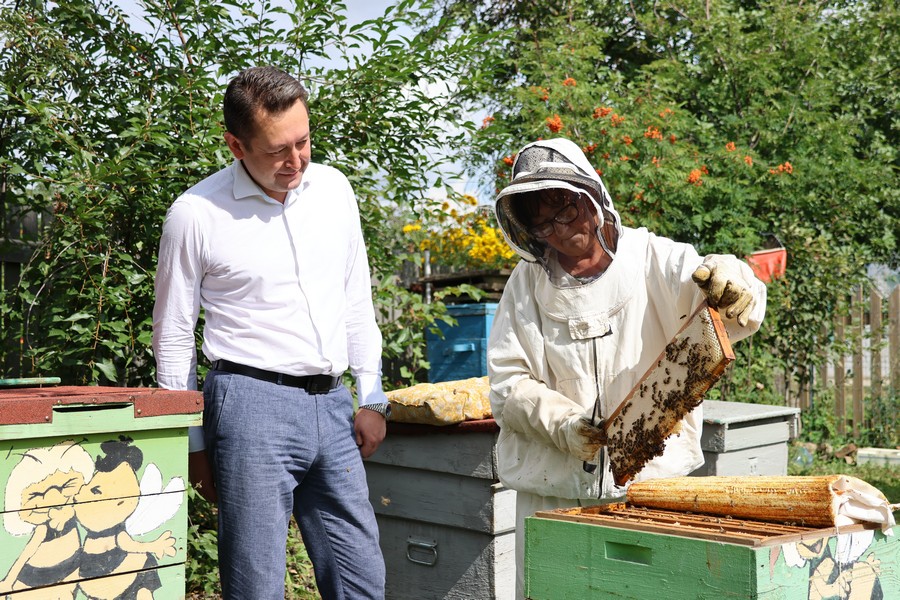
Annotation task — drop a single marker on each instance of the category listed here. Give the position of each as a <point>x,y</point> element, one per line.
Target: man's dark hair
<point>257,89</point>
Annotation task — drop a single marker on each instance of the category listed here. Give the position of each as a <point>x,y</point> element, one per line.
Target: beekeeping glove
<point>583,438</point>
<point>726,286</point>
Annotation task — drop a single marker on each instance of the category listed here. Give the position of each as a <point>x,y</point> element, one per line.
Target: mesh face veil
<point>548,164</point>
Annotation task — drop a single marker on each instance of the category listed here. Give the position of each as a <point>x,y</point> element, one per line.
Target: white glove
<point>721,279</point>
<point>584,439</point>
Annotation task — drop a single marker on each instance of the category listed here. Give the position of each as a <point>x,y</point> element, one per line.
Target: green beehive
<point>626,552</point>
<point>94,491</point>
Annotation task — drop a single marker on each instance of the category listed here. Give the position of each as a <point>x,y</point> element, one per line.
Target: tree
<point>718,124</point>
<point>103,124</point>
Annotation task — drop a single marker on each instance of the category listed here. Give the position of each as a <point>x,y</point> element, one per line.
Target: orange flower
<point>665,113</point>
<point>542,92</point>
<point>624,158</point>
<point>626,140</point>
<point>508,160</point>
<point>783,168</point>
<point>672,139</point>
<point>599,172</point>
<point>554,123</point>
<point>616,120</point>
<point>606,155</point>
<point>704,169</point>
<point>730,147</point>
<point>655,161</point>
<point>749,161</point>
<point>601,111</point>
<point>487,121</point>
<point>639,196</point>
<point>653,133</point>
<point>695,177</point>
<point>589,149</point>
<point>569,82</point>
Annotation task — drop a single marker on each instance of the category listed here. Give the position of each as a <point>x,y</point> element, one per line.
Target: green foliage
<point>884,477</point>
<point>718,124</point>
<point>103,124</point>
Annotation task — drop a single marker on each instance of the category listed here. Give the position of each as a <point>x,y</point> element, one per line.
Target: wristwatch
<point>383,409</point>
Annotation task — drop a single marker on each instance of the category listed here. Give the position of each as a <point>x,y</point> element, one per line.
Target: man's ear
<point>235,145</point>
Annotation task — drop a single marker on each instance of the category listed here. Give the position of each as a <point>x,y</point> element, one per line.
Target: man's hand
<point>370,429</point>
<point>725,286</point>
<point>584,439</point>
<point>200,475</point>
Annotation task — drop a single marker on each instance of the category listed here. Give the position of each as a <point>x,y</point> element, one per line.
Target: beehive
<point>94,491</point>
<point>626,552</point>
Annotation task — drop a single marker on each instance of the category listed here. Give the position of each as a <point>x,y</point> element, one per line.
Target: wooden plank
<point>737,437</point>
<point>858,318</point>
<point>771,459</point>
<point>894,337</point>
<point>468,454</point>
<point>840,409</point>
<point>876,329</point>
<point>441,498</point>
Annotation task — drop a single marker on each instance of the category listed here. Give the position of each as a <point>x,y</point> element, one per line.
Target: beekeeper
<point>576,324</point>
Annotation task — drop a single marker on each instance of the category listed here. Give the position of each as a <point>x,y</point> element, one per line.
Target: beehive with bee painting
<point>94,491</point>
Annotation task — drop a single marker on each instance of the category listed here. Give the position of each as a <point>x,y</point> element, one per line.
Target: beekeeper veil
<point>547,164</point>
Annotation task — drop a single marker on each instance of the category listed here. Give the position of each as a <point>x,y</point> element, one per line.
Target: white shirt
<point>284,287</point>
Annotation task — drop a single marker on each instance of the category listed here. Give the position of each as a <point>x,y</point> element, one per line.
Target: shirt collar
<point>245,187</point>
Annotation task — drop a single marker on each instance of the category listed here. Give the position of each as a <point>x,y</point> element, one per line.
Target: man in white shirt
<point>271,248</point>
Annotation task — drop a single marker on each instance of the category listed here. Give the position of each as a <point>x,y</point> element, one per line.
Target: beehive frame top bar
<point>742,532</point>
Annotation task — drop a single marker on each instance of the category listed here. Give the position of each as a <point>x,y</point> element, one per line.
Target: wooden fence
<point>866,374</point>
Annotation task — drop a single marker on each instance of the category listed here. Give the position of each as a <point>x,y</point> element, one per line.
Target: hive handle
<point>427,548</point>
<point>455,348</point>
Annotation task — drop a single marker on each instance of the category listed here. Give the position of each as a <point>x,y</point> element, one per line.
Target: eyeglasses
<point>565,215</point>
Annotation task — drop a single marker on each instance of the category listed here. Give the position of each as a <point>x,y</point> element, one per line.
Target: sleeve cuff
<point>368,389</point>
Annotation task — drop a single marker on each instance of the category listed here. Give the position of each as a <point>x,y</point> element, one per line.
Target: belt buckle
<point>320,384</point>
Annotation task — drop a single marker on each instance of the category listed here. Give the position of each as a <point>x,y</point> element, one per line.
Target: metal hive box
<point>625,552</point>
<point>94,491</point>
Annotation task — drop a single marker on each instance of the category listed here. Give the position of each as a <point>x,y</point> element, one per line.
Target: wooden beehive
<point>690,364</point>
<point>621,552</point>
<point>94,491</point>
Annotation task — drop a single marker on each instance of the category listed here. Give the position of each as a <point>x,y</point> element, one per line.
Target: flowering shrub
<point>463,240</point>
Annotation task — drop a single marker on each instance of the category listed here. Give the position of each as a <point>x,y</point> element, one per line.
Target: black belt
<point>313,384</point>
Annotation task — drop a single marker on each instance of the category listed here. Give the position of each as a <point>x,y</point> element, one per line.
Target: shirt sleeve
<point>363,336</point>
<point>177,305</point>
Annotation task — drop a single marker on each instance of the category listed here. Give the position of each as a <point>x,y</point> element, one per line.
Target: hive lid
<point>25,406</point>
